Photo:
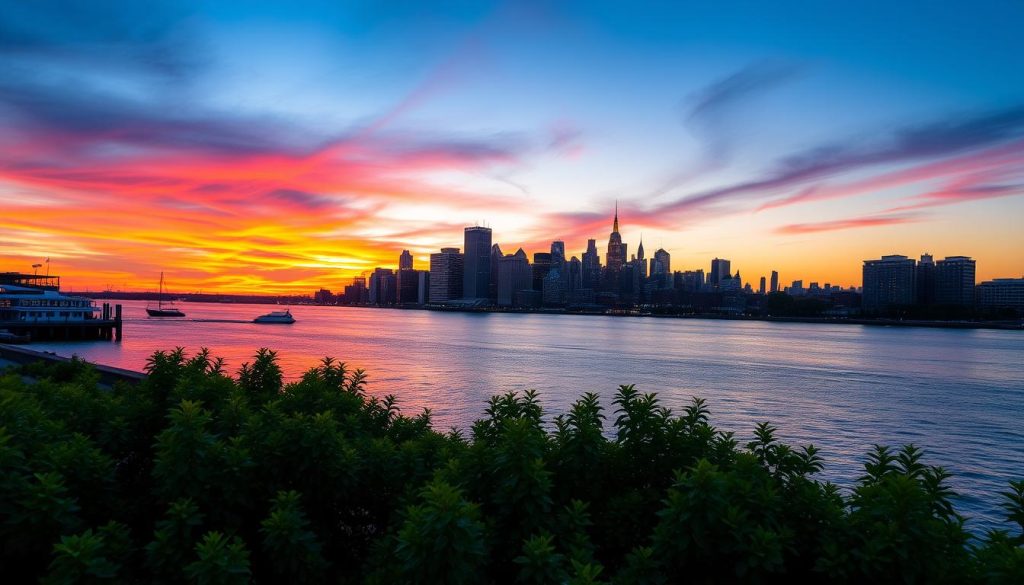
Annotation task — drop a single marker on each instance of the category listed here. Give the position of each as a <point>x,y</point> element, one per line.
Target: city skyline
<point>283,147</point>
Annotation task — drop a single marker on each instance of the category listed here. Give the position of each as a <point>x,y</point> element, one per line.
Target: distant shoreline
<point>303,301</point>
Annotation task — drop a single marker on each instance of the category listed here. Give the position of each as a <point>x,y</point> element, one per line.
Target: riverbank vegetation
<point>197,476</point>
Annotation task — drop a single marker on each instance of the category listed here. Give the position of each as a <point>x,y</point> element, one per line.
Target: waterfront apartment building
<point>1001,293</point>
<point>954,281</point>
<point>446,275</point>
<point>925,280</point>
<point>888,281</point>
<point>383,287</point>
<point>476,275</point>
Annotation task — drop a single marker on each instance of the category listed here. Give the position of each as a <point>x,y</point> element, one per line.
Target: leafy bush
<point>193,476</point>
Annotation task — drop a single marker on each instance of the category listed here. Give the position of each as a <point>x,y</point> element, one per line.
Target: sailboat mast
<point>160,297</point>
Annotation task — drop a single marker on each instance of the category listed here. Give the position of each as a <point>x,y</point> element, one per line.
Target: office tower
<point>616,256</point>
<point>954,281</point>
<point>492,285</point>
<point>1002,293</point>
<point>720,270</point>
<point>558,253</point>
<point>423,288</point>
<point>552,290</point>
<point>405,261</point>
<point>691,280</point>
<point>591,266</point>
<point>383,285</point>
<point>446,275</point>
<point>408,286</point>
<point>356,292</point>
<point>797,288</point>
<point>541,267</point>
<point>888,281</point>
<point>924,275</point>
<point>476,275</point>
<point>775,281</point>
<point>761,288</point>
<point>661,263</point>
<point>514,276</point>
<point>641,261</point>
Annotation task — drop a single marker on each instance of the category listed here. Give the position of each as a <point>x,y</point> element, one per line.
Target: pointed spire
<point>615,225</point>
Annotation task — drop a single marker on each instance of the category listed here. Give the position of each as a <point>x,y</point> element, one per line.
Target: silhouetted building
<point>476,274</point>
<point>514,276</point>
<point>616,257</point>
<point>572,278</point>
<point>1002,293</point>
<point>423,287</point>
<point>888,281</point>
<point>558,253</point>
<point>552,292</point>
<point>690,281</point>
<point>356,293</point>
<point>591,266</point>
<point>954,281</point>
<point>383,287</point>
<point>924,275</point>
<point>323,297</point>
<point>720,270</point>
<point>446,275</point>
<point>405,261</point>
<point>541,267</point>
<point>775,281</point>
<point>641,260</point>
<point>761,288</point>
<point>492,285</point>
<point>408,286</point>
<point>661,263</point>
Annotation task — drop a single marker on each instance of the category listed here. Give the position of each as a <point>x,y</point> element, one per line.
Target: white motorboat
<point>284,317</point>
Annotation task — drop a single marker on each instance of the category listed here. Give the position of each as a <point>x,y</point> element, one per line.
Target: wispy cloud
<point>846,224</point>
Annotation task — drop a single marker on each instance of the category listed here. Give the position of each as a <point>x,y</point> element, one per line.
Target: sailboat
<point>160,310</point>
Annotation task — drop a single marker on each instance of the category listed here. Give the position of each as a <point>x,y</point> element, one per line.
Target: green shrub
<point>193,476</point>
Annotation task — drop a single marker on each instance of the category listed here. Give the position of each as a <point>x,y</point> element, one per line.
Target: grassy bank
<point>193,475</point>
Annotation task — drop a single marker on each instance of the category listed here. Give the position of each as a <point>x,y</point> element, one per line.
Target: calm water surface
<point>957,393</point>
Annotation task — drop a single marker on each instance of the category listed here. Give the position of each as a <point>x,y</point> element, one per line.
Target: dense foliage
<point>195,476</point>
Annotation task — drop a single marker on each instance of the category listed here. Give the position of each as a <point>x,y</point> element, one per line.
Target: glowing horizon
<point>285,148</point>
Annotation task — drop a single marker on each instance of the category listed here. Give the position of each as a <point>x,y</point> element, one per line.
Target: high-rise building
<point>641,261</point>
<point>446,275</point>
<point>356,292</point>
<point>591,266</point>
<point>572,277</point>
<point>408,286</point>
<point>924,275</point>
<point>423,287</point>
<point>558,253</point>
<point>616,257</point>
<point>775,281</point>
<point>405,260</point>
<point>954,281</point>
<point>661,263</point>
<point>541,267</point>
<point>514,276</point>
<point>888,281</point>
<point>383,287</point>
<point>492,285</point>
<point>476,274</point>
<point>1002,293</point>
<point>761,289</point>
<point>552,291</point>
<point>690,281</point>
<point>720,270</point>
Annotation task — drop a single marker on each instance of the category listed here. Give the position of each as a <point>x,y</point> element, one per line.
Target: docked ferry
<point>22,302</point>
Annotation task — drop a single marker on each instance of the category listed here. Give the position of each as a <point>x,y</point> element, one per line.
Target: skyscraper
<point>492,287</point>
<point>616,256</point>
<point>954,281</point>
<point>514,275</point>
<point>405,261</point>
<point>558,253</point>
<point>591,266</point>
<point>641,261</point>
<point>661,263</point>
<point>541,266</point>
<point>775,281</point>
<point>761,288</point>
<point>476,274</point>
<point>721,269</point>
<point>888,281</point>
<point>446,275</point>
<point>925,276</point>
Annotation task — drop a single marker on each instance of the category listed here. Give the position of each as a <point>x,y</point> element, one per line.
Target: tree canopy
<point>196,476</point>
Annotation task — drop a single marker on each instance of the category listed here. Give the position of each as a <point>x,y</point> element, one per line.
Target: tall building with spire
<point>616,257</point>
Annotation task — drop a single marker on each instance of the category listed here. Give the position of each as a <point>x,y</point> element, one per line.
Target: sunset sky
<point>286,146</point>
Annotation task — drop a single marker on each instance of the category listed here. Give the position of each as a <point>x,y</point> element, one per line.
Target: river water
<point>959,394</point>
